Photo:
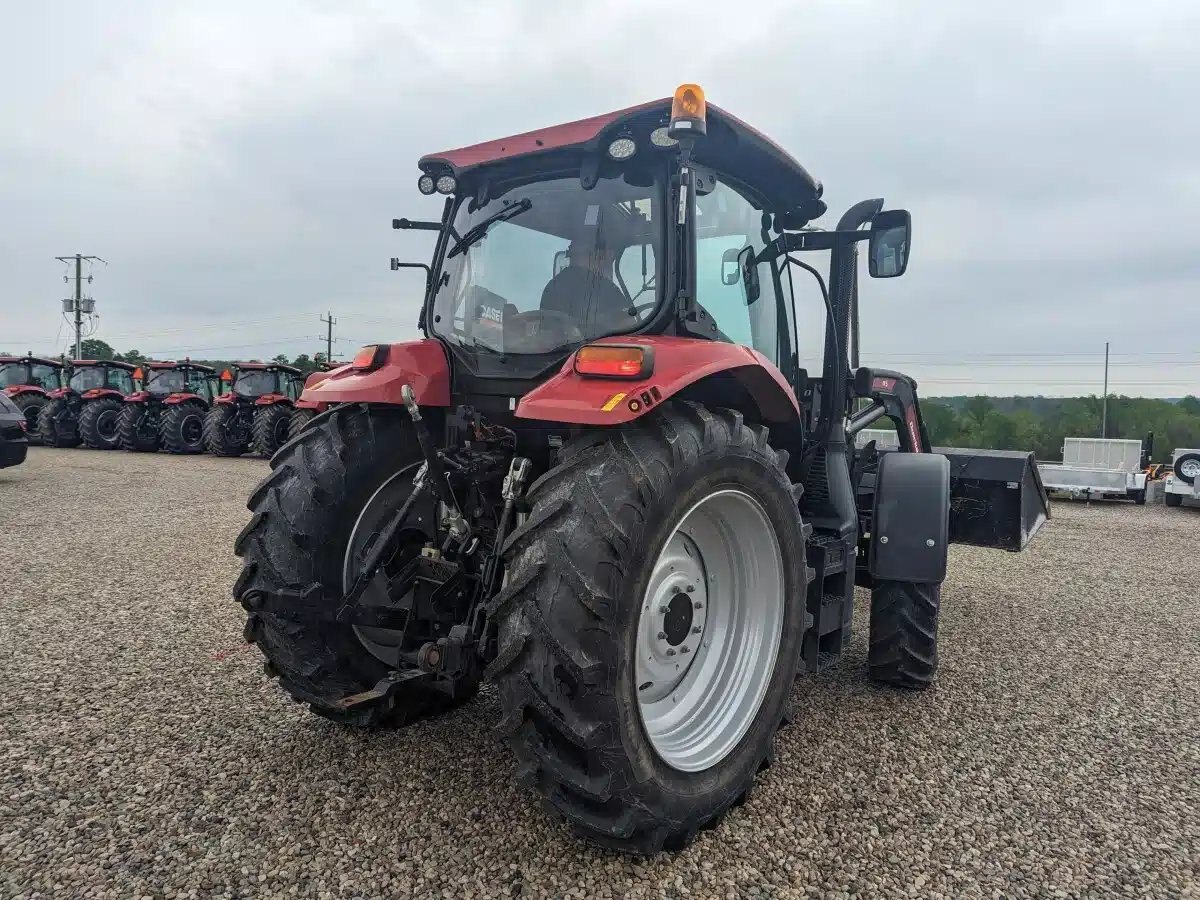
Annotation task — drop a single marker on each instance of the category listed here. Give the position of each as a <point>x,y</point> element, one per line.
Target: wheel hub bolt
<point>691,588</point>
<point>670,651</point>
<point>684,649</point>
<point>696,629</point>
<point>675,589</point>
<point>662,635</point>
<point>663,610</point>
<point>698,605</point>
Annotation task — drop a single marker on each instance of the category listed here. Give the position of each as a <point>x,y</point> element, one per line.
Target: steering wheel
<point>562,327</point>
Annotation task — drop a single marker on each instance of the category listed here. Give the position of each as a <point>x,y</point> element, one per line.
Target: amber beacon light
<point>687,111</point>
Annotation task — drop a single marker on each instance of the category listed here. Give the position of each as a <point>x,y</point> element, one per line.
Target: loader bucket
<point>996,497</point>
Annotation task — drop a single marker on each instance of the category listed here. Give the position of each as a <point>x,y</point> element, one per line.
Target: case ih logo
<point>884,384</point>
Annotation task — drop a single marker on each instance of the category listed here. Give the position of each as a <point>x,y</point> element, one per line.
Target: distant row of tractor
<point>180,407</point>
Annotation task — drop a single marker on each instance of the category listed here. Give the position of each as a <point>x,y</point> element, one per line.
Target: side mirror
<point>740,265</point>
<point>560,261</point>
<point>731,268</point>
<point>891,234</point>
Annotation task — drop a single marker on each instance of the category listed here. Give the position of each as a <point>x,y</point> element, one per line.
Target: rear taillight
<point>370,357</point>
<point>614,361</point>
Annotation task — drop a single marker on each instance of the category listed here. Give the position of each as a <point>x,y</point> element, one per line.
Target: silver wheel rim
<point>716,589</point>
<point>382,643</point>
<point>1190,468</point>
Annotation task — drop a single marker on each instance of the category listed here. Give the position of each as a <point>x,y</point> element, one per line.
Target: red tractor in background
<point>88,408</point>
<point>255,412</point>
<point>606,481</point>
<point>307,409</point>
<point>168,410</point>
<point>28,381</point>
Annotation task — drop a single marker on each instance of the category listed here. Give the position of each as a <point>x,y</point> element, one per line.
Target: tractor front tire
<point>299,421</point>
<point>588,572</point>
<point>216,434</point>
<point>903,643</point>
<point>181,430</point>
<point>55,427</point>
<point>304,514</point>
<point>270,430</point>
<point>129,435</point>
<point>31,404</point>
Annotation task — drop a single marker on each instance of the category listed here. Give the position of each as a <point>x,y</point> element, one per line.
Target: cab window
<point>729,224</point>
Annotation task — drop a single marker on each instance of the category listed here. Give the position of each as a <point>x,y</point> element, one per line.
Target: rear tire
<point>270,429</point>
<point>299,421</point>
<point>31,404</point>
<point>181,429</point>
<point>56,427</point>
<point>1173,500</point>
<point>582,572</point>
<point>903,646</point>
<point>297,538</point>
<point>217,438</point>
<point>131,435</point>
<point>99,423</point>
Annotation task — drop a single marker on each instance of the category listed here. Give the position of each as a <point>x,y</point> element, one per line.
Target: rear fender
<point>97,393</point>
<point>311,404</point>
<point>138,397</point>
<point>679,363</point>
<point>59,393</point>
<point>16,390</point>
<point>176,399</point>
<point>421,364</point>
<point>272,400</point>
<point>229,399</point>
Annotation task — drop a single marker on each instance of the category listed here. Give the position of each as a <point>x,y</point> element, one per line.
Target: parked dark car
<point>13,443</point>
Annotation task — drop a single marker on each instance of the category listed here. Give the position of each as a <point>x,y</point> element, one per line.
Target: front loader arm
<point>893,396</point>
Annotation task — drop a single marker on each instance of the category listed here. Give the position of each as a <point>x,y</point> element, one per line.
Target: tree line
<point>1041,423</point>
<point>94,348</point>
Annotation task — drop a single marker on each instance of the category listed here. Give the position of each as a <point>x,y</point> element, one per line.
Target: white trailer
<point>1097,468</point>
<point>1184,482</point>
<point>884,438</point>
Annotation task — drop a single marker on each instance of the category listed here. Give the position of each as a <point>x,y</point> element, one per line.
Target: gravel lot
<point>144,754</point>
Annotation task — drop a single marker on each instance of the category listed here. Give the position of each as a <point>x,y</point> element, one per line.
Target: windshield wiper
<point>476,232</point>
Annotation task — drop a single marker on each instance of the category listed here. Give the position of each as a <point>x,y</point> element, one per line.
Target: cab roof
<point>249,366</point>
<point>731,147</point>
<point>169,364</point>
<point>114,363</point>
<point>40,360</point>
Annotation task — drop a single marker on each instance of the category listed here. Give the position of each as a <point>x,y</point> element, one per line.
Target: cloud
<point>240,165</point>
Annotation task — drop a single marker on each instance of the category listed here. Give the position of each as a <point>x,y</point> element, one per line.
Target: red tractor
<point>28,381</point>
<point>88,408</point>
<point>605,481</point>
<point>307,409</point>
<point>255,412</point>
<point>168,411</point>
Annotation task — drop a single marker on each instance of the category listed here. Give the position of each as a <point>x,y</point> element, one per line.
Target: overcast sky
<point>238,164</point>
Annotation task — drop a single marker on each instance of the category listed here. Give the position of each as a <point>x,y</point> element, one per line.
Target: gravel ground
<point>144,754</point>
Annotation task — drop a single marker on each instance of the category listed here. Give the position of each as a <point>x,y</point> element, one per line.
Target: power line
<point>78,301</point>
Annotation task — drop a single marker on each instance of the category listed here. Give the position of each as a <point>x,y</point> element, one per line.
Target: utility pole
<point>329,321</point>
<point>1104,414</point>
<point>77,306</point>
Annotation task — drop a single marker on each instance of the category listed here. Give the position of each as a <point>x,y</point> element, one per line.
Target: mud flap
<point>996,498</point>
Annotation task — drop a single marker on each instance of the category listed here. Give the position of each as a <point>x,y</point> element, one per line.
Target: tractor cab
<point>91,375</point>
<point>27,381</point>
<point>269,381</point>
<point>24,372</point>
<point>163,379</point>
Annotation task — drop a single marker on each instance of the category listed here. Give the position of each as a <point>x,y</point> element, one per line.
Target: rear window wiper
<point>476,232</point>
